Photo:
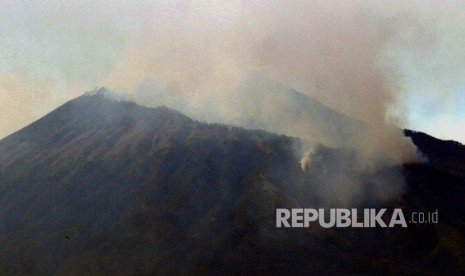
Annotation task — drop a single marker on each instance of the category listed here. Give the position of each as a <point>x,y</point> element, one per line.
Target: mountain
<point>101,186</point>
<point>265,104</point>
<point>105,186</point>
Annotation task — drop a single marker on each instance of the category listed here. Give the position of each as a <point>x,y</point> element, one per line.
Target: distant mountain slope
<point>100,186</point>
<point>261,103</point>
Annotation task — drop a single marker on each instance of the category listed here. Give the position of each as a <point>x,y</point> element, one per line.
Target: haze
<point>394,62</point>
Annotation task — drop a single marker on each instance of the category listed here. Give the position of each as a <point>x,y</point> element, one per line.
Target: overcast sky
<point>52,51</point>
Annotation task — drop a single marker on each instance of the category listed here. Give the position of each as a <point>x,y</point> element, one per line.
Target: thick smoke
<point>338,53</point>
<point>236,63</point>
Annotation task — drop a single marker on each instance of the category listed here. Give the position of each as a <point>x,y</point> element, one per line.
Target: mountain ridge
<point>259,102</point>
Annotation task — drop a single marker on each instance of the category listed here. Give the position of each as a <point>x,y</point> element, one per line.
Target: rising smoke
<point>236,64</point>
<point>202,56</point>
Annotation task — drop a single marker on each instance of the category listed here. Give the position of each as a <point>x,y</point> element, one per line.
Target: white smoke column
<point>337,52</point>
<point>350,55</point>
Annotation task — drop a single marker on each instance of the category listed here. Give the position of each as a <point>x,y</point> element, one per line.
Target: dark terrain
<point>106,187</point>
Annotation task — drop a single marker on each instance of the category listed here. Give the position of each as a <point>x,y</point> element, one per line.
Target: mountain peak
<point>104,92</point>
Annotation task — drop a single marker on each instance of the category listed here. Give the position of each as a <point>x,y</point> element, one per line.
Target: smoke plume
<point>238,64</point>
<point>339,53</point>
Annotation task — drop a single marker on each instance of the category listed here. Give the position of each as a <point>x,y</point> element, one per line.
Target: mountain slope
<point>116,177</point>
<point>106,187</point>
<point>264,104</point>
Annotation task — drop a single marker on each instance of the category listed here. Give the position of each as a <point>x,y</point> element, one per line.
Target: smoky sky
<point>382,62</point>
